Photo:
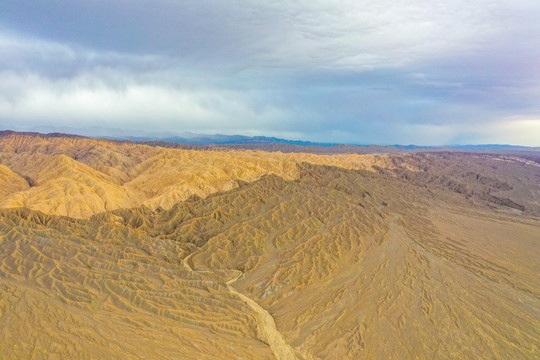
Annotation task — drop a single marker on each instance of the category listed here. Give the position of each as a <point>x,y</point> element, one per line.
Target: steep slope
<point>67,187</point>
<point>175,175</point>
<point>80,177</point>
<point>11,182</point>
<point>113,158</point>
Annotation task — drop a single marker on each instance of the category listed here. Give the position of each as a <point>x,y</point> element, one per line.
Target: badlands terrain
<point>119,250</point>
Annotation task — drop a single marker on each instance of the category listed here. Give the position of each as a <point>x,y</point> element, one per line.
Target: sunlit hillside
<point>80,177</point>
<point>115,250</point>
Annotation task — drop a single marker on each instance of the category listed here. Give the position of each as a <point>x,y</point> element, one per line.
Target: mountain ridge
<point>202,141</point>
<point>79,176</point>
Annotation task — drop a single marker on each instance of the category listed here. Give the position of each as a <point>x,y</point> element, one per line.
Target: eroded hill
<point>80,177</point>
<point>431,256</point>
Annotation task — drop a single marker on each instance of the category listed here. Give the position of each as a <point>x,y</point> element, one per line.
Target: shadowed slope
<point>11,182</point>
<point>499,180</point>
<point>79,177</point>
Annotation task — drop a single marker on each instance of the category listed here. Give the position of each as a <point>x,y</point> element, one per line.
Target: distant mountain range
<point>285,145</point>
<point>272,143</point>
<point>221,139</point>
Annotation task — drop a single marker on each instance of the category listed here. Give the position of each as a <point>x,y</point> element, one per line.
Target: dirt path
<point>267,325</point>
<point>186,264</point>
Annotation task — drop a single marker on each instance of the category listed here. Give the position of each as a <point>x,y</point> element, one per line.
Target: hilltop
<point>80,177</point>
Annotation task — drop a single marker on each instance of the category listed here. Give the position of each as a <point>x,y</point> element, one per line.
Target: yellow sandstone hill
<point>67,187</point>
<point>10,182</point>
<point>80,177</point>
<point>244,254</point>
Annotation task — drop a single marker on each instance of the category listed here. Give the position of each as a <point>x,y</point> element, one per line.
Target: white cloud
<point>92,99</point>
<point>514,130</point>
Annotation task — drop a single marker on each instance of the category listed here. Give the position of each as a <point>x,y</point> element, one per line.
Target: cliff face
<point>279,256</point>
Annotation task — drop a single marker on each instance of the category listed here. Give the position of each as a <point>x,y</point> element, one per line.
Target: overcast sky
<point>427,72</point>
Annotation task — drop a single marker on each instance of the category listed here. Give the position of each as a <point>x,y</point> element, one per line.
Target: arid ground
<point>118,250</point>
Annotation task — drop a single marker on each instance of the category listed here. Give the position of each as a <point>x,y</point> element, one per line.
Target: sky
<point>426,72</point>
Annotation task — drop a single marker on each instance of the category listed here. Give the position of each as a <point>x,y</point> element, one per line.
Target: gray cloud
<point>337,34</point>
<point>353,71</point>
